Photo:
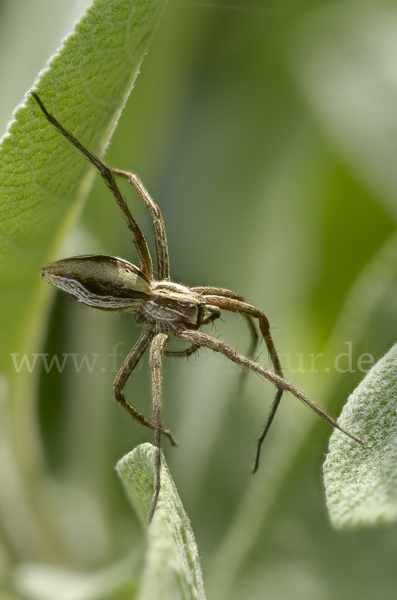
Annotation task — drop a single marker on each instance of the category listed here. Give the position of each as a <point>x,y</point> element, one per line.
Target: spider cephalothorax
<point>165,308</point>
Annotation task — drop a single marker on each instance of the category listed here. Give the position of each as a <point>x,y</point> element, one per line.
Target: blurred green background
<point>267,133</point>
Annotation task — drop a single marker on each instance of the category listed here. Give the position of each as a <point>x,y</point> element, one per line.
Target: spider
<point>163,307</point>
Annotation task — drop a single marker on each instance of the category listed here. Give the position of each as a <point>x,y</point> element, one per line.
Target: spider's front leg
<point>203,339</point>
<point>156,351</point>
<point>108,177</point>
<point>122,377</point>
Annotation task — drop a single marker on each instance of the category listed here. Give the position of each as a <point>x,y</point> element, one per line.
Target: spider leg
<point>156,350</point>
<point>160,237</point>
<point>239,306</point>
<point>233,303</point>
<point>182,353</point>
<point>203,339</point>
<point>108,177</point>
<point>266,428</point>
<point>122,377</point>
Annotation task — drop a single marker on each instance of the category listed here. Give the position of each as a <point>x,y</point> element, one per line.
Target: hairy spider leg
<point>106,173</point>
<point>229,301</point>
<point>238,305</point>
<point>203,339</point>
<point>122,377</point>
<point>156,351</point>
<point>266,427</point>
<point>160,236</point>
<point>182,353</point>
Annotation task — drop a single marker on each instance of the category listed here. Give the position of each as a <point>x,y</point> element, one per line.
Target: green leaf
<point>172,569</point>
<point>361,483</point>
<point>42,177</point>
<point>354,98</point>
<point>44,182</point>
<point>34,581</point>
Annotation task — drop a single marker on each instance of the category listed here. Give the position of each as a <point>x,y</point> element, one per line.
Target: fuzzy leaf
<point>361,483</point>
<point>172,569</point>
<point>42,177</point>
<point>43,182</point>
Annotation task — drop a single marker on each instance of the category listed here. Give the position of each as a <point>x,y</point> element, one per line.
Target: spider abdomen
<point>103,282</point>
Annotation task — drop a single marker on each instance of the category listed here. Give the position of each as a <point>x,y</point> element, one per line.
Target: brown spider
<point>110,283</point>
